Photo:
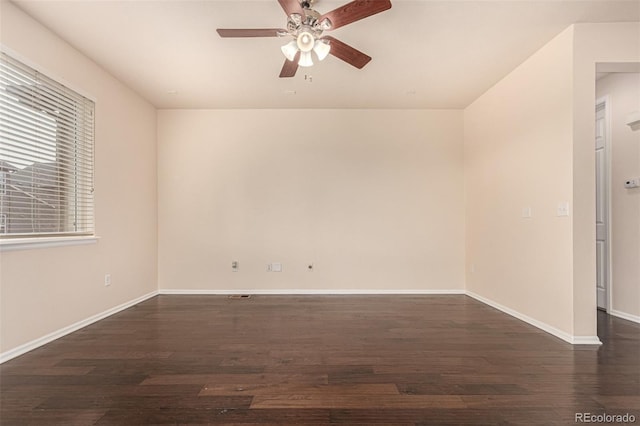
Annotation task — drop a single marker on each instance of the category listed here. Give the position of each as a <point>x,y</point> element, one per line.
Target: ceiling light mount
<point>306,4</point>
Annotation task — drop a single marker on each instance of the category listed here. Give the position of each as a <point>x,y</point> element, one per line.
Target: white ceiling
<point>426,53</point>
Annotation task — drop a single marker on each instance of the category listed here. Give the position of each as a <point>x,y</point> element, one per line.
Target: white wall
<point>518,149</point>
<point>623,91</point>
<point>44,290</point>
<point>373,198</point>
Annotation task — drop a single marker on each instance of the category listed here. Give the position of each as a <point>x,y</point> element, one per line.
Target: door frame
<point>606,101</point>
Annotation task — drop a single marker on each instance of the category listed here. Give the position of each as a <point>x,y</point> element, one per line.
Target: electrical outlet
<point>274,267</point>
<point>107,280</point>
<point>632,183</point>
<point>234,266</point>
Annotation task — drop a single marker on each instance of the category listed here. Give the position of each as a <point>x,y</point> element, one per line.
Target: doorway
<point>617,195</point>
<point>603,263</point>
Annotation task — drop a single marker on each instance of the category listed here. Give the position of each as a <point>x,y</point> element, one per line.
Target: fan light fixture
<point>322,49</point>
<point>305,59</point>
<point>305,41</point>
<point>306,32</point>
<point>290,49</point>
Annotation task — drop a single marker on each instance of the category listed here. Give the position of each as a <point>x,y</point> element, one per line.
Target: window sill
<point>45,242</point>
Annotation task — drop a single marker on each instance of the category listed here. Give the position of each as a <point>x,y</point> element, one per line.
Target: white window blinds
<point>46,155</point>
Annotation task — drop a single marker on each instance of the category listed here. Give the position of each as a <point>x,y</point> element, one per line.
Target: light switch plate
<point>563,209</point>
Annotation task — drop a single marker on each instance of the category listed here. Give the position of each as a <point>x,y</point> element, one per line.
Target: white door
<point>602,244</point>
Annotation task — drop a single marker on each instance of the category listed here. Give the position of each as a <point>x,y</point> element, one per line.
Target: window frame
<point>20,241</point>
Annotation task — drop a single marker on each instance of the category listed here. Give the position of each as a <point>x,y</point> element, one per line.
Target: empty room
<point>268,212</point>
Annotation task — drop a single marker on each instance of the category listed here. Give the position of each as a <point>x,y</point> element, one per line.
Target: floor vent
<point>240,296</point>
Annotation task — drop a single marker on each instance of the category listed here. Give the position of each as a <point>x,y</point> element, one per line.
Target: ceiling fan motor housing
<point>309,23</point>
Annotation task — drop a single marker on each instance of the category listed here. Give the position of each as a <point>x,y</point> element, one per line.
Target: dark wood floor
<point>404,360</point>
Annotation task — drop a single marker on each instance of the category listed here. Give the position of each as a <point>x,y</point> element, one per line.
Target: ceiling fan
<point>306,26</point>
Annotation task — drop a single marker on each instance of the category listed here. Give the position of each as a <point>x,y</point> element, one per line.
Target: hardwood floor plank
<point>50,371</point>
<point>462,389</point>
<point>98,353</point>
<point>203,379</point>
<point>461,368</point>
<point>83,380</point>
<point>305,400</point>
<point>531,401</point>
<point>619,402</point>
<point>176,416</point>
<point>57,417</point>
<point>348,390</point>
<point>144,402</point>
<point>443,416</point>
<point>19,400</point>
<point>269,360</point>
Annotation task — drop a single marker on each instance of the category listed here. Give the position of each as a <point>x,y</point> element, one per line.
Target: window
<point>46,155</point>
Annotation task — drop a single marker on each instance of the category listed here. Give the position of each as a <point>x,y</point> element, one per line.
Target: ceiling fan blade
<point>291,6</point>
<point>256,32</point>
<point>354,11</point>
<point>347,53</point>
<point>290,67</point>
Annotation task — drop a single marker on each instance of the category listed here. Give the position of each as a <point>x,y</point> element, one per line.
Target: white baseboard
<point>585,340</point>
<point>574,340</point>
<point>624,315</point>
<point>301,292</point>
<point>29,346</point>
